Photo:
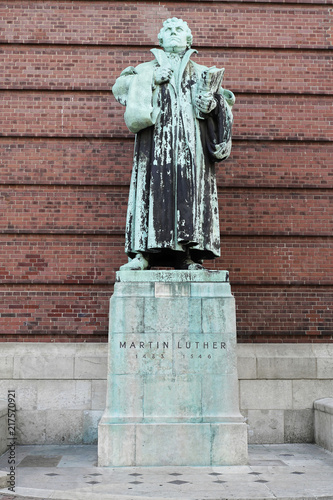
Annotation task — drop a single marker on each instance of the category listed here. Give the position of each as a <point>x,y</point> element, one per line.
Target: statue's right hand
<point>162,75</point>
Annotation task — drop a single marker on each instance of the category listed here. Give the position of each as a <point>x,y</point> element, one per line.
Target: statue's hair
<point>175,20</point>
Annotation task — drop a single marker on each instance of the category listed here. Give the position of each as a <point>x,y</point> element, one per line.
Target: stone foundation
<point>61,389</point>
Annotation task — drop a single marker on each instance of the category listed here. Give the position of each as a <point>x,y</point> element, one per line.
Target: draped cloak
<point>173,203</point>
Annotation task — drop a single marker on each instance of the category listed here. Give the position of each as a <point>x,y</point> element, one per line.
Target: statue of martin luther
<point>182,120</point>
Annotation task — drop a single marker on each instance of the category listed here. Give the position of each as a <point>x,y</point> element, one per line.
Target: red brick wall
<point>65,159</point>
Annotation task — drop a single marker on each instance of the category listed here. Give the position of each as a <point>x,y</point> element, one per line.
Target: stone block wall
<point>3,426</point>
<point>66,158</point>
<point>278,386</point>
<point>61,389</point>
<point>324,423</point>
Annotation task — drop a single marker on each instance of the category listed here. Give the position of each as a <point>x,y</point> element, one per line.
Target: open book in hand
<point>210,80</point>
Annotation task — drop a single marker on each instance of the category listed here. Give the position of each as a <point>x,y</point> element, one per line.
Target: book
<point>210,80</point>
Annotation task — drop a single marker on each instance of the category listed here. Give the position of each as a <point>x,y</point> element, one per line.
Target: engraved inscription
<point>165,345</point>
<point>144,345</point>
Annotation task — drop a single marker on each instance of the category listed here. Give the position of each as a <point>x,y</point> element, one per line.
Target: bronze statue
<point>182,120</point>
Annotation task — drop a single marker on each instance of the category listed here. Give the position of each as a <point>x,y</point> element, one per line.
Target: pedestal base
<point>172,444</point>
<point>172,395</point>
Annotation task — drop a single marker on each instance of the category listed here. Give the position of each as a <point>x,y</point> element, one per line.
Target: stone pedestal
<point>172,396</point>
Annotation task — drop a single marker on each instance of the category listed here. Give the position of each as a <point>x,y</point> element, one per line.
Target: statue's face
<point>174,38</point>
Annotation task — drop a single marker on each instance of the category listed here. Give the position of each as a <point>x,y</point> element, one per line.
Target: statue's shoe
<point>139,263</point>
<point>195,267</point>
<point>190,265</point>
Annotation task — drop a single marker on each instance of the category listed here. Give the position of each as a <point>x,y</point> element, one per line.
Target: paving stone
<point>40,461</point>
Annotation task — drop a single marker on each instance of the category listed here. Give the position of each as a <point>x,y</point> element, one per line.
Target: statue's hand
<point>222,150</point>
<point>205,102</point>
<point>162,75</point>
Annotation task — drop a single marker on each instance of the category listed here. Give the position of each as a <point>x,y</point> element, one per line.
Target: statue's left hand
<point>222,150</point>
<point>205,102</point>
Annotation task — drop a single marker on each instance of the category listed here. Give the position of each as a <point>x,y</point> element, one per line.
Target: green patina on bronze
<point>182,119</point>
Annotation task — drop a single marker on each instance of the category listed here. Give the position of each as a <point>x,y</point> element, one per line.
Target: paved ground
<point>294,471</point>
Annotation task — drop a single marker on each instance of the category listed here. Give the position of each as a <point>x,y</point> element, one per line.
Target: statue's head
<point>175,36</point>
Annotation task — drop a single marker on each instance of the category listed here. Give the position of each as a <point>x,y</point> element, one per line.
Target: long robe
<point>173,204</point>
